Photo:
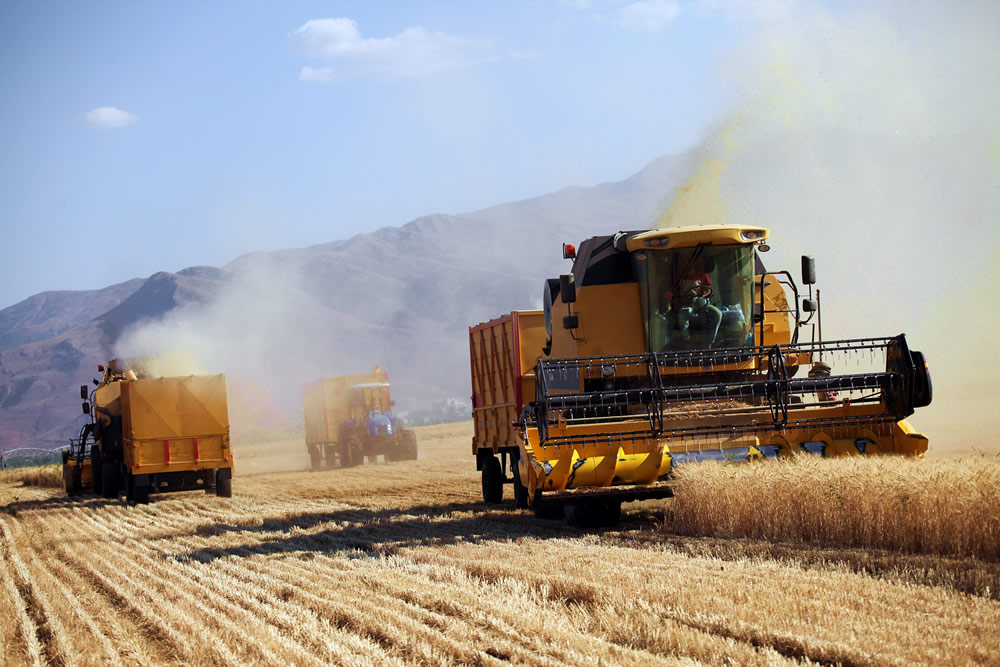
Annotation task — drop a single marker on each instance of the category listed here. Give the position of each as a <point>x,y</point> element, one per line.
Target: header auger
<point>670,346</point>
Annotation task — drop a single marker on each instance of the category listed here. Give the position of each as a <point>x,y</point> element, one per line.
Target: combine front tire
<point>492,480</point>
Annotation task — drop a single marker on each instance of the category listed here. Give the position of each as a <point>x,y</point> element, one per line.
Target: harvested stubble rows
<point>400,564</point>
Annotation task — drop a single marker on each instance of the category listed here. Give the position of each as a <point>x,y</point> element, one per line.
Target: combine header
<point>669,346</point>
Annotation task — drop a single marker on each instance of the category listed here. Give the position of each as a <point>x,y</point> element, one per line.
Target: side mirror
<point>83,391</point>
<point>567,288</point>
<point>808,270</point>
<point>86,408</point>
<point>96,383</point>
<point>809,305</point>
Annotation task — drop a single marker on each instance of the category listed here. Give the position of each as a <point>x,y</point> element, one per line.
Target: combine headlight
<point>751,234</point>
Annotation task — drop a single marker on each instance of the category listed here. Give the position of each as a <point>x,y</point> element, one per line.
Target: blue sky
<point>140,137</point>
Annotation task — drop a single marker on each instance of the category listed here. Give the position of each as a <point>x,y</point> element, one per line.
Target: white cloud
<point>322,74</point>
<point>648,15</point>
<point>107,118</point>
<point>412,52</point>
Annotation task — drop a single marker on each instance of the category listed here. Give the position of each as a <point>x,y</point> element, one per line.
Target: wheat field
<point>401,564</point>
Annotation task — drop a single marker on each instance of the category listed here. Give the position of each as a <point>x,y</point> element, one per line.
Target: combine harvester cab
<point>349,417</point>
<point>152,435</point>
<point>672,346</point>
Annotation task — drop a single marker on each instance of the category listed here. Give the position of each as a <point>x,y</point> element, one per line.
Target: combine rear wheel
<point>520,490</point>
<point>492,480</point>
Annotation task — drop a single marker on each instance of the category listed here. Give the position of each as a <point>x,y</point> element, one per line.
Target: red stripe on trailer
<point>196,457</point>
<point>166,451</point>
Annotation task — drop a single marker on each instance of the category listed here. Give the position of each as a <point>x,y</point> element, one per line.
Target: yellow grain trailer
<point>154,435</point>
<point>673,345</point>
<point>349,417</point>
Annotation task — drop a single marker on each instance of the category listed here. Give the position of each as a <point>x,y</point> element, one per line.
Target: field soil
<point>402,563</point>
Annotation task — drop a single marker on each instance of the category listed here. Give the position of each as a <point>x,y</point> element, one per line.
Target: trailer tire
<point>109,480</point>
<point>492,481</point>
<point>129,488</point>
<point>315,458</point>
<point>95,470</point>
<point>224,483</point>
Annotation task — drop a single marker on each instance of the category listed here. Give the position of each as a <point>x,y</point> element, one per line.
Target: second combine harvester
<point>668,346</point>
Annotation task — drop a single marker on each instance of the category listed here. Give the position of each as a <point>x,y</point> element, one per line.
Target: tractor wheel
<point>329,453</point>
<point>520,490</point>
<point>315,458</point>
<point>224,483</point>
<point>409,449</point>
<point>492,480</point>
<point>345,453</point>
<point>357,451</point>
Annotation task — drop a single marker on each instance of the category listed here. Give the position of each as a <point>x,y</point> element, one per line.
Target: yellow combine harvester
<point>349,417</point>
<point>151,435</point>
<point>669,346</point>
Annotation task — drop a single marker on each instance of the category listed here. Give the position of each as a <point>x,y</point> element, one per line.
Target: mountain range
<point>399,297</point>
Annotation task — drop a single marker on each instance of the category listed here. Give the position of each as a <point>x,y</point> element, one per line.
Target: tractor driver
<point>692,320</point>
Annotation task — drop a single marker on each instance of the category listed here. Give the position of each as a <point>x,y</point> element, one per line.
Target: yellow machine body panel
<point>174,424</point>
<point>329,402</point>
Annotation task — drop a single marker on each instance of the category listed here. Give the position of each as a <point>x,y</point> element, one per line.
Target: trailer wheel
<point>520,490</point>
<point>109,480</point>
<point>315,459</point>
<point>96,469</point>
<point>224,483</point>
<point>492,480</point>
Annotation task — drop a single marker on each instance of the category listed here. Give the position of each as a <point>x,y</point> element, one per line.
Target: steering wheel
<point>703,291</point>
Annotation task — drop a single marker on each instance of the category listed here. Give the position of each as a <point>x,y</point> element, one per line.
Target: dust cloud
<point>262,329</point>
<point>871,140</point>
